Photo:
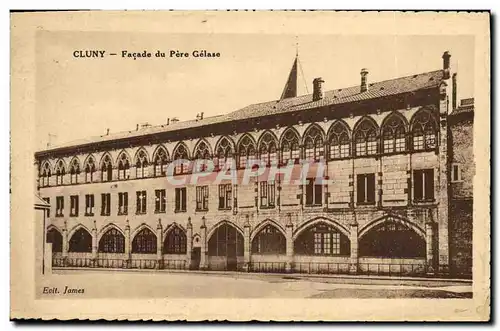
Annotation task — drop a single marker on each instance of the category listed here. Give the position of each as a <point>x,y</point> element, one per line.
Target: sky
<point>82,97</point>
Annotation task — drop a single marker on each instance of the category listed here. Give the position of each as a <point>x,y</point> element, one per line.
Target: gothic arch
<point>157,150</point>
<point>198,143</point>
<point>311,127</point>
<point>119,157</point>
<point>263,135</point>
<point>265,223</point>
<point>139,228</point>
<point>362,120</point>
<point>231,143</point>
<point>293,131</point>
<point>177,150</point>
<point>104,158</point>
<point>398,219</point>
<point>137,153</point>
<point>76,228</point>
<point>342,123</point>
<point>60,164</point>
<point>242,139</point>
<point>398,115</point>
<point>88,158</point>
<point>105,229</point>
<point>317,220</point>
<point>424,112</point>
<point>171,226</point>
<point>214,227</point>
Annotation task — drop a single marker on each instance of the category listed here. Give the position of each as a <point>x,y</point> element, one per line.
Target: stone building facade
<point>382,203</point>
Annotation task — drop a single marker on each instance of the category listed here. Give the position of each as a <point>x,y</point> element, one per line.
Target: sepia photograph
<point>199,163</point>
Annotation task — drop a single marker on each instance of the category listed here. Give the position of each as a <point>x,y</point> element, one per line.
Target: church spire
<point>290,90</point>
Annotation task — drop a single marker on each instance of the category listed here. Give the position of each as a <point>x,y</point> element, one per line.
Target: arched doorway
<point>226,244</point>
<point>392,239</point>
<point>81,242</point>
<point>55,238</point>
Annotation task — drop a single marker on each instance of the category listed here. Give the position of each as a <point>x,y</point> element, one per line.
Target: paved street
<point>130,284</point>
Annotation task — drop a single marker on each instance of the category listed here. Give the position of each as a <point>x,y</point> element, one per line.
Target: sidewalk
<point>329,278</point>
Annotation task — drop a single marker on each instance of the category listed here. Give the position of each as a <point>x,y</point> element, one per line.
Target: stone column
<point>289,244</point>
<point>127,245</point>
<point>429,239</point>
<point>159,245</point>
<point>65,243</point>
<point>203,250</point>
<point>353,261</point>
<point>189,243</point>
<point>246,245</point>
<point>94,243</point>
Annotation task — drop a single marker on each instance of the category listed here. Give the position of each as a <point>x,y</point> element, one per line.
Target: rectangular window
<point>59,206</point>
<point>160,201</point>
<point>141,202</point>
<point>180,199</point>
<point>47,200</point>
<point>123,203</point>
<point>366,188</point>
<point>314,193</point>
<point>74,205</point>
<point>105,204</point>
<point>202,198</point>
<point>423,185</point>
<point>456,173</point>
<point>267,194</point>
<point>89,205</point>
<point>225,196</point>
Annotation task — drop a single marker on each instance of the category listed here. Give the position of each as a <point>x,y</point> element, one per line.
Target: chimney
<point>174,120</point>
<point>137,127</point>
<point>446,65</point>
<point>107,132</point>
<point>168,121</point>
<point>318,89</point>
<point>364,85</point>
<point>454,91</point>
<point>199,116</point>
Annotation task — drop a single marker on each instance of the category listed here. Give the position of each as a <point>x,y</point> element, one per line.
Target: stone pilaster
<point>127,245</point>
<point>429,239</point>
<point>246,245</point>
<point>289,243</point>
<point>203,250</point>
<point>159,245</point>
<point>189,243</point>
<point>65,243</point>
<point>353,261</point>
<point>94,241</point>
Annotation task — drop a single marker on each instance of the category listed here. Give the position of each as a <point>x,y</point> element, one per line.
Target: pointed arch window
<point>202,153</point>
<point>365,138</point>
<point>144,242</point>
<point>394,135</point>
<point>424,132</point>
<point>60,172</point>
<point>45,175</point>
<point>290,150</point>
<point>141,165</point>
<point>322,239</point>
<point>123,167</point>
<point>246,151</point>
<point>224,153</point>
<point>55,238</point>
<point>112,241</point>
<point>269,240</point>
<point>81,242</point>
<point>175,241</point>
<point>161,162</point>
<point>268,149</point>
<point>182,163</point>
<point>74,171</point>
<point>340,144</point>
<point>313,144</point>
<point>107,169</point>
<point>89,170</point>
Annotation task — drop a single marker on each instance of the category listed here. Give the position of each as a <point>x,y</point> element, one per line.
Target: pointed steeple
<point>290,90</point>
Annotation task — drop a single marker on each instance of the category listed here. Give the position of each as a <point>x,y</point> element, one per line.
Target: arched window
<point>89,170</point>
<point>106,169</point>
<point>269,240</point>
<point>181,167</point>
<point>246,150</point>
<point>394,135</point>
<point>365,138</point>
<point>81,242</point>
<point>313,143</point>
<point>55,238</point>
<point>322,239</point>
<point>392,239</point>
<point>424,131</point>
<point>141,165</point>
<point>226,241</point>
<point>340,144</point>
<point>161,162</point>
<point>60,172</point>
<point>123,167</point>
<point>112,241</point>
<point>224,153</point>
<point>202,153</point>
<point>175,241</point>
<point>45,175</point>
<point>74,171</point>
<point>268,148</point>
<point>290,150</point>
<point>144,242</point>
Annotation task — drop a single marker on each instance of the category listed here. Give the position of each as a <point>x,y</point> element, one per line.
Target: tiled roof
<point>300,103</point>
